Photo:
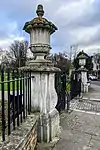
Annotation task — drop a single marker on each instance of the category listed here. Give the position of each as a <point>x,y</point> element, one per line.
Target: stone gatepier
<point>43,94</point>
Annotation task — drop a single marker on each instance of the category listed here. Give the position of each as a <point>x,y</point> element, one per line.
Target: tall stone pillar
<point>44,96</point>
<point>82,62</point>
<point>84,87</point>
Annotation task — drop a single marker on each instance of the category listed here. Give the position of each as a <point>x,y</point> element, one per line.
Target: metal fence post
<point>3,106</point>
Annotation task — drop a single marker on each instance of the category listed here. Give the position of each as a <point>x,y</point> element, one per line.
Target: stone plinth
<point>48,126</point>
<point>44,99</point>
<point>84,79</point>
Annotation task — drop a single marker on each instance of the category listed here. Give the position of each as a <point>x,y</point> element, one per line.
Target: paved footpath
<point>90,101</point>
<point>81,127</point>
<point>80,131</point>
<point>94,92</point>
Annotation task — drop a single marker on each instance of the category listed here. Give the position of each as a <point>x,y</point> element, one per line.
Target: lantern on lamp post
<point>82,60</point>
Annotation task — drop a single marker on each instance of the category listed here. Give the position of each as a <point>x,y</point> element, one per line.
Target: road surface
<point>6,94</point>
<point>95,82</point>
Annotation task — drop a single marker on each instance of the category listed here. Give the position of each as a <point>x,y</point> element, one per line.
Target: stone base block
<point>54,124</point>
<point>85,89</point>
<point>48,126</point>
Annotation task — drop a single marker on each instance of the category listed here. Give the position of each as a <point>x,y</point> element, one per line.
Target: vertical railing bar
<point>17,97</point>
<point>30,91</point>
<point>8,78</point>
<point>13,99</point>
<point>3,106</point>
<point>23,96</point>
<point>26,93</point>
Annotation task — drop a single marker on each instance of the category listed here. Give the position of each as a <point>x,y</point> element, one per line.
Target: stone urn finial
<point>40,30</point>
<point>40,11</point>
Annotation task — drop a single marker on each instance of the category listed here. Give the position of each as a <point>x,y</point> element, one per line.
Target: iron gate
<point>60,86</point>
<point>64,98</point>
<point>75,85</point>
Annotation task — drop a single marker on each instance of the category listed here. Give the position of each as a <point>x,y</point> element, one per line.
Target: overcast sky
<point>78,22</point>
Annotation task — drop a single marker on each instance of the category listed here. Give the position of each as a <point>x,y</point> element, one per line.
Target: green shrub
<point>68,87</point>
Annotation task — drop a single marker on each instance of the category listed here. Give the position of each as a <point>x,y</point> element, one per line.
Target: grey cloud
<point>91,18</point>
<point>24,10</point>
<point>94,40</point>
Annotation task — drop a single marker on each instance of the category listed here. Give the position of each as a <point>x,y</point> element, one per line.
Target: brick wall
<point>31,141</point>
<point>24,137</point>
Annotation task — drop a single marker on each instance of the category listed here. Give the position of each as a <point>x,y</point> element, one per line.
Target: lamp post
<point>82,62</point>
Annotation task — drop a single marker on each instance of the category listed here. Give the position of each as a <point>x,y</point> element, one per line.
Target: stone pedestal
<point>48,126</point>
<point>44,99</point>
<point>44,96</point>
<point>86,88</point>
<point>84,80</point>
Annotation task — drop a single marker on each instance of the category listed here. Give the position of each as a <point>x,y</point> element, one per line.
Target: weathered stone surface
<point>43,95</point>
<point>48,127</point>
<point>54,124</point>
<point>40,68</point>
<point>24,137</point>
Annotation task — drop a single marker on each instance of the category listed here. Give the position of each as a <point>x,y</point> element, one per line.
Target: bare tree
<point>73,51</point>
<point>18,51</point>
<point>96,59</point>
<point>61,61</point>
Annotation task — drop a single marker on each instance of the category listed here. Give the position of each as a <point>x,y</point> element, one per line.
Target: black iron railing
<point>75,85</point>
<point>60,86</point>
<point>64,96</point>
<point>15,100</point>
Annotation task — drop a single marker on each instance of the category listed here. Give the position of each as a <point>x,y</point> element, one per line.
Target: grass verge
<point>68,87</point>
<point>6,83</point>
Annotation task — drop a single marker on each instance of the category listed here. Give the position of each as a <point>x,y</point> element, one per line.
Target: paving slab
<point>93,94</point>
<point>90,101</point>
<point>80,131</point>
<point>81,127</point>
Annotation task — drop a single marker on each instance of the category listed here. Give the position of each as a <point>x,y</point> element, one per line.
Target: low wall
<point>24,137</point>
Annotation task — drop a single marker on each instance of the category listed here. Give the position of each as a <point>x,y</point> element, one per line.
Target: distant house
<point>96,64</point>
<point>4,56</point>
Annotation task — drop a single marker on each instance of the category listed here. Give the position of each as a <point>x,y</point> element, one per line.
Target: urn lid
<point>39,22</point>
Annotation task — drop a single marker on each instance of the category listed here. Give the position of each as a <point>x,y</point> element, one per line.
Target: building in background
<point>5,59</point>
<point>4,56</point>
<point>96,64</point>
